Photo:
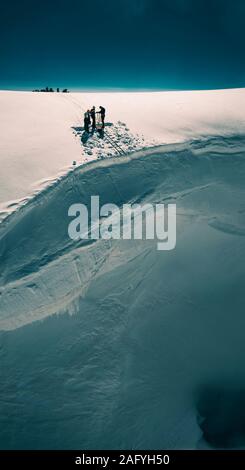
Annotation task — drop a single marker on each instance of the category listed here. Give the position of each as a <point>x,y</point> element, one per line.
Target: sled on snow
<point>98,121</point>
<point>99,125</point>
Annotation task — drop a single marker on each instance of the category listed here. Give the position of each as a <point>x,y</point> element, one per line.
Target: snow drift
<point>113,344</point>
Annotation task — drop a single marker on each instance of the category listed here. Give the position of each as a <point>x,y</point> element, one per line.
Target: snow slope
<point>113,344</point>
<point>134,344</point>
<point>38,141</point>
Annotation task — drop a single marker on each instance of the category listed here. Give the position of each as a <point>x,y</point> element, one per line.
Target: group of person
<point>90,118</point>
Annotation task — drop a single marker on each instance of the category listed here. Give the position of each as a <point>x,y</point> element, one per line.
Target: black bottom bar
<point>110,459</point>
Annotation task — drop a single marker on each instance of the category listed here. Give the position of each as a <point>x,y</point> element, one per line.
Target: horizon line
<point>117,89</point>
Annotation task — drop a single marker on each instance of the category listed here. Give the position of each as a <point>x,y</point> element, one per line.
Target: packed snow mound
<point>37,144</point>
<point>117,140</point>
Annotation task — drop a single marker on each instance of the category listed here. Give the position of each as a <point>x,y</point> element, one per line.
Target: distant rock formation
<point>50,90</point>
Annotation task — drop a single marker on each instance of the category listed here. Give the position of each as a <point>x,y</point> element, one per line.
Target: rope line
<point>109,138</point>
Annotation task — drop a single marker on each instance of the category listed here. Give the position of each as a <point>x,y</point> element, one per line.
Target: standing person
<point>102,113</point>
<point>92,114</point>
<point>87,121</point>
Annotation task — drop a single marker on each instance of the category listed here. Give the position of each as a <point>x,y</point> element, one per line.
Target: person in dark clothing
<point>87,121</point>
<point>102,113</point>
<point>92,114</point>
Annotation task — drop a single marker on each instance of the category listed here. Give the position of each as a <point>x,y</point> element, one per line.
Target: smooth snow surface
<point>39,140</point>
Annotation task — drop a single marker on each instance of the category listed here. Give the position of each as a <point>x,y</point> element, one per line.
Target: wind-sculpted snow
<point>129,336</point>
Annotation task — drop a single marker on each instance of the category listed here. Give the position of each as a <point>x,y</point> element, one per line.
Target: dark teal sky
<point>146,44</point>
